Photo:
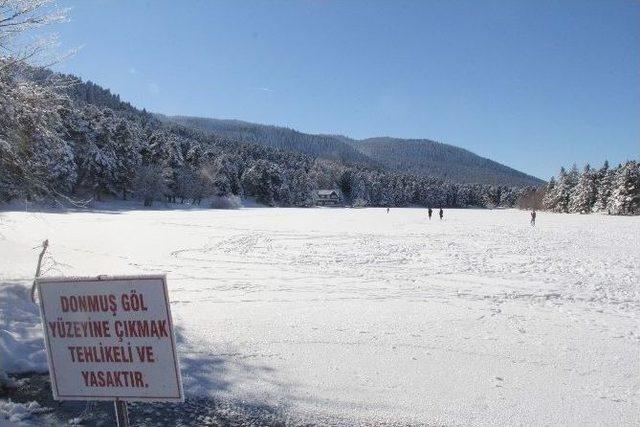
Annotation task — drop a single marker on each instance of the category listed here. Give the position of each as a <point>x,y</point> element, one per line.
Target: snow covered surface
<point>18,414</point>
<point>21,341</point>
<point>338,315</point>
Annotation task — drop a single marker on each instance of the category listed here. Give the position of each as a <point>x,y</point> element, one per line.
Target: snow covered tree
<point>583,195</point>
<point>558,196</point>
<point>20,17</point>
<point>186,184</point>
<point>492,196</point>
<point>96,154</point>
<point>149,184</point>
<point>303,194</point>
<point>465,195</point>
<point>625,197</point>
<point>605,178</point>
<point>508,197</point>
<point>612,190</point>
<point>551,198</point>
<point>36,160</point>
<point>216,179</point>
<point>532,197</point>
<point>566,186</point>
<point>263,181</point>
<point>346,184</point>
<point>127,140</point>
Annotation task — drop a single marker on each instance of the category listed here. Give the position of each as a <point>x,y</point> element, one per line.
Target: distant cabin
<point>328,198</point>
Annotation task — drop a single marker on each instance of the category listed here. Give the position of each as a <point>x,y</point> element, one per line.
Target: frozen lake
<point>356,315</point>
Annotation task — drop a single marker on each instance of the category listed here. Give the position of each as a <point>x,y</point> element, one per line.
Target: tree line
<point>611,190</point>
<point>61,138</point>
<point>65,139</point>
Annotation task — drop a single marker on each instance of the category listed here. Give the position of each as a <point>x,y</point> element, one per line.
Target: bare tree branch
<point>18,18</point>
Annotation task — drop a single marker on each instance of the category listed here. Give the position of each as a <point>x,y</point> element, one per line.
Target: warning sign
<point>110,338</point>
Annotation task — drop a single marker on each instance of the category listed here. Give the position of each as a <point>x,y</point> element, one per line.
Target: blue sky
<point>534,84</point>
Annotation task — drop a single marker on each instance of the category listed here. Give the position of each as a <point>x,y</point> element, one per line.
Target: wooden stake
<point>45,245</point>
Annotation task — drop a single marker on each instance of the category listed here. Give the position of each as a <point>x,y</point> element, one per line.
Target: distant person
<point>441,213</point>
<point>387,210</point>
<point>533,217</point>
<point>430,212</point>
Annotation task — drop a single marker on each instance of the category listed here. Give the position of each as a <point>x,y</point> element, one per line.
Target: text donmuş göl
<point>129,301</point>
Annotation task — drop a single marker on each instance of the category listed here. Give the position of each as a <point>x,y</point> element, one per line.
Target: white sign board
<point>110,338</point>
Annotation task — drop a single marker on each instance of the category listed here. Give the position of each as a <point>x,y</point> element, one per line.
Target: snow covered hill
<point>426,157</point>
<point>355,315</point>
<point>417,156</point>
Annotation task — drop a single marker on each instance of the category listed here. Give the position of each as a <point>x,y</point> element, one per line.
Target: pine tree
<point>566,182</point>
<point>583,195</point>
<point>559,197</point>
<point>127,141</point>
<point>550,199</point>
<point>604,183</point>
<point>625,197</point>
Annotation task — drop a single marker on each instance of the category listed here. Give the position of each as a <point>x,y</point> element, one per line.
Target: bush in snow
<point>359,203</point>
<point>226,202</point>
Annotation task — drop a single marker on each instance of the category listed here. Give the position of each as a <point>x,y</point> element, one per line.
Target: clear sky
<point>532,84</point>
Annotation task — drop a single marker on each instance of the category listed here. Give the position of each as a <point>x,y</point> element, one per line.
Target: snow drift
<point>21,340</point>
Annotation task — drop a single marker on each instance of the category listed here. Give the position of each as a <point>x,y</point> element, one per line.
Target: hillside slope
<point>425,157</point>
<point>325,146</point>
<point>421,157</point>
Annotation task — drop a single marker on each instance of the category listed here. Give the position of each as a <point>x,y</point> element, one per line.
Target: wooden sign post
<point>110,338</point>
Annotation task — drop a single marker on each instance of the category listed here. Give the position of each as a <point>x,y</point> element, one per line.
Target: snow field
<point>356,315</point>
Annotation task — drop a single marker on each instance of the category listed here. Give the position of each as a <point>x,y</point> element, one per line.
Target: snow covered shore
<point>334,315</point>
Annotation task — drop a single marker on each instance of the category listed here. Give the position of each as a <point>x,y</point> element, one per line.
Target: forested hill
<point>426,157</point>
<point>325,146</point>
<point>416,156</point>
<point>84,92</point>
<point>65,139</point>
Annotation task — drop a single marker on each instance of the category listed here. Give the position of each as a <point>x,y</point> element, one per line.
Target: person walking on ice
<point>533,218</point>
<point>441,213</point>
<point>430,212</point>
<point>387,210</point>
